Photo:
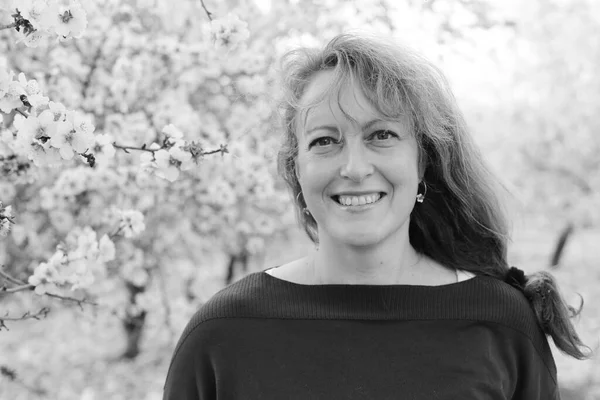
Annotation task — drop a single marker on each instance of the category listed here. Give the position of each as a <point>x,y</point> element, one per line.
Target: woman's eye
<point>321,142</point>
<point>383,135</point>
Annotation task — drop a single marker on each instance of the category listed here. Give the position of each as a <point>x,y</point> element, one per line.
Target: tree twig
<point>10,278</point>
<point>42,313</point>
<point>8,26</point>
<point>208,13</point>
<point>23,286</point>
<point>16,289</point>
<point>78,301</point>
<point>12,376</point>
<point>223,149</point>
<point>125,148</point>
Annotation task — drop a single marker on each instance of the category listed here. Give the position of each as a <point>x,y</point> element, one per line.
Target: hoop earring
<point>421,196</point>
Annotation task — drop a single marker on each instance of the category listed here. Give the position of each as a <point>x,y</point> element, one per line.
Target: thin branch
<point>12,376</point>
<point>208,13</point>
<point>125,148</point>
<point>78,301</point>
<point>21,112</point>
<point>222,149</point>
<point>23,287</point>
<point>9,26</point>
<point>42,313</point>
<point>16,289</point>
<point>10,278</point>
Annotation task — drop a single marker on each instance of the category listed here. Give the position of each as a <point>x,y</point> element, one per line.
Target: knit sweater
<point>266,338</point>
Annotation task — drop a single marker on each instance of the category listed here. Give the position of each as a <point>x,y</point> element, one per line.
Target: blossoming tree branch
<point>49,145</point>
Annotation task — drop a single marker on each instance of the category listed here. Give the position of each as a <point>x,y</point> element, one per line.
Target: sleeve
<point>537,378</point>
<point>190,375</point>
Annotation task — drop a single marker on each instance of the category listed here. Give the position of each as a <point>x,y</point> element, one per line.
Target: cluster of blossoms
<point>36,19</point>
<point>131,222</point>
<point>53,136</point>
<point>5,219</point>
<point>166,163</point>
<point>49,134</point>
<point>19,92</point>
<point>81,258</point>
<point>77,262</point>
<point>229,31</point>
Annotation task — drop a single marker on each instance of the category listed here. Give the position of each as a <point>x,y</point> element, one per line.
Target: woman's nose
<point>356,165</point>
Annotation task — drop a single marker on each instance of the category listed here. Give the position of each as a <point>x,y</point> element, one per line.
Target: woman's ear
<point>297,171</point>
<point>422,164</point>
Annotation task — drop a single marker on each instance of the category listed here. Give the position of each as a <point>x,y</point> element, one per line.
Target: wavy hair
<point>462,223</point>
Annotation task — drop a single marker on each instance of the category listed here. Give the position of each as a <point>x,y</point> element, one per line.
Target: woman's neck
<point>403,265</point>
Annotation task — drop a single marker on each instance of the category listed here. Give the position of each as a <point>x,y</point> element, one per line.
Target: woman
<point>404,296</point>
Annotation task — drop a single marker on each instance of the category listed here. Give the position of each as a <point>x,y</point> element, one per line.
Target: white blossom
<point>39,128</point>
<point>43,155</point>
<point>31,39</point>
<point>166,166</point>
<point>58,109</point>
<point>172,131</point>
<point>74,134</point>
<point>4,227</point>
<point>70,21</point>
<point>131,223</point>
<point>40,13</point>
<point>12,97</point>
<point>103,148</point>
<point>46,275</point>
<point>229,31</point>
<point>169,163</point>
<point>6,78</point>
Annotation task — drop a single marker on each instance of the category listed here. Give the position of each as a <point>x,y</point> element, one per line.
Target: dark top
<point>265,338</point>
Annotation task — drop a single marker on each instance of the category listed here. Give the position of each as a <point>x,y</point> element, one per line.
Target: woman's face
<point>359,178</point>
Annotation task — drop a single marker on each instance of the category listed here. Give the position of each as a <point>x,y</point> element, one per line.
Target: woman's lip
<point>359,194</point>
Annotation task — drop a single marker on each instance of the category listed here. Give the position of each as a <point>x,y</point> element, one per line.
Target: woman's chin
<point>358,239</point>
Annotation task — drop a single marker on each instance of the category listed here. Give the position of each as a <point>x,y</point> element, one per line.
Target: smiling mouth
<point>336,198</point>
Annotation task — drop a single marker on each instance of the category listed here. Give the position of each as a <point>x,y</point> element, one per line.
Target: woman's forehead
<point>329,93</point>
<point>321,100</point>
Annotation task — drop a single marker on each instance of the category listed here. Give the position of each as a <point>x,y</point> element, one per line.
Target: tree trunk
<point>240,258</point>
<point>133,325</point>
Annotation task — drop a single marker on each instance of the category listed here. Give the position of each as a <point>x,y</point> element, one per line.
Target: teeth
<point>358,200</point>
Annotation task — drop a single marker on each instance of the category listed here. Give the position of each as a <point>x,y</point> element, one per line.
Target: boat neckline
<point>286,282</point>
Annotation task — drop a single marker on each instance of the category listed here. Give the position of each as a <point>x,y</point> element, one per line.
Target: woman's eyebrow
<point>322,127</point>
<point>334,129</point>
